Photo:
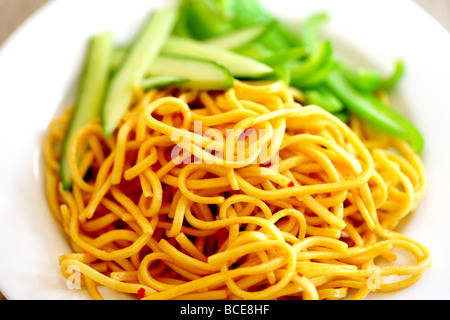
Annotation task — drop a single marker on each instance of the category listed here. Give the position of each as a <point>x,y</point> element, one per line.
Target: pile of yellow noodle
<point>317,224</point>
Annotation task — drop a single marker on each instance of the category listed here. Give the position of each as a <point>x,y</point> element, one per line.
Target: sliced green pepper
<point>283,56</point>
<point>316,78</point>
<point>255,50</point>
<point>309,34</point>
<point>324,98</point>
<point>391,82</point>
<point>364,79</point>
<point>343,116</point>
<point>370,109</point>
<point>248,12</point>
<point>320,55</point>
<point>279,37</point>
<point>226,8</point>
<point>274,42</point>
<point>181,27</point>
<point>285,34</point>
<point>369,80</point>
<point>204,21</point>
<point>280,73</point>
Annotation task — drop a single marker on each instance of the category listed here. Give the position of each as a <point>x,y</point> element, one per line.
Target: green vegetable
<point>255,50</point>
<point>246,12</point>
<point>325,98</point>
<point>200,73</point>
<point>370,109</point>
<point>240,66</point>
<point>240,37</point>
<point>280,37</point>
<point>343,116</point>
<point>117,58</point>
<point>204,19</point>
<point>364,79</point>
<point>321,55</point>
<point>161,82</point>
<point>89,96</point>
<point>315,78</point>
<point>214,41</point>
<point>284,56</point>
<point>391,82</point>
<point>369,80</point>
<point>181,27</point>
<point>145,48</point>
<point>309,34</point>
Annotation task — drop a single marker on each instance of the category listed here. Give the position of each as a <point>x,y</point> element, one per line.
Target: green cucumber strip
<point>161,82</point>
<point>240,66</point>
<point>202,74</point>
<point>90,93</point>
<point>240,37</point>
<point>145,48</point>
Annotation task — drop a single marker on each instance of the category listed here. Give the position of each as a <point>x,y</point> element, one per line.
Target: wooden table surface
<point>14,12</point>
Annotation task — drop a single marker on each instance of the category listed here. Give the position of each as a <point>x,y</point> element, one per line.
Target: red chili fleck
<point>299,274</point>
<point>291,184</point>
<point>141,293</point>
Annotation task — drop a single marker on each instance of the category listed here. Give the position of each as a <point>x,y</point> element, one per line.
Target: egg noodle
<point>306,208</point>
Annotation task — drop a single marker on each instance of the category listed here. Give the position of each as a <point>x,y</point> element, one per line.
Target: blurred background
<point>14,12</point>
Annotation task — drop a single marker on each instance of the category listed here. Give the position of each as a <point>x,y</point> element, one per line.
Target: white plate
<point>41,61</point>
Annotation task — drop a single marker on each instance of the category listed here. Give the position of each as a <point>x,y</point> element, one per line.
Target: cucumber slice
<point>202,74</point>
<point>161,82</point>
<point>239,38</point>
<point>239,65</point>
<point>118,56</point>
<point>90,94</point>
<point>145,48</point>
